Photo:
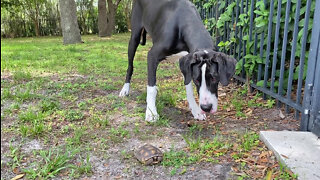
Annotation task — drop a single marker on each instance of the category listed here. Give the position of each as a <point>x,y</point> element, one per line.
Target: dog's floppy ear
<point>185,64</point>
<point>226,66</point>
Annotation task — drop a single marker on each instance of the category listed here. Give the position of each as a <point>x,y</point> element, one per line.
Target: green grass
<point>51,162</point>
<point>64,95</point>
<point>66,98</point>
<point>178,159</point>
<point>16,156</point>
<point>76,139</point>
<point>50,56</point>
<point>74,115</point>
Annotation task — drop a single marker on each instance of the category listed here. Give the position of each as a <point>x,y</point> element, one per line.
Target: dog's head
<point>207,68</point>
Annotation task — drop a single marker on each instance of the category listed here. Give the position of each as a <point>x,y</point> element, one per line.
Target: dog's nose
<point>206,107</point>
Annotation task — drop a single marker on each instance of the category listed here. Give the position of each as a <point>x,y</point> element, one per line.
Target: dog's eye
<point>214,80</point>
<point>196,82</point>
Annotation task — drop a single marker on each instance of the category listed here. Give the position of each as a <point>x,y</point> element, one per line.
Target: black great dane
<point>175,26</point>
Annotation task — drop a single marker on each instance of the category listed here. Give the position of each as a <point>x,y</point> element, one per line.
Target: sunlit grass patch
<point>21,75</point>
<point>178,159</point>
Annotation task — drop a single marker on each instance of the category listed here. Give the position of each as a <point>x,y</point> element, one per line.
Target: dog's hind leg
<point>133,44</point>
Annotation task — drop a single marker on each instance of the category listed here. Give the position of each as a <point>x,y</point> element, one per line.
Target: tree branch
<point>117,3</point>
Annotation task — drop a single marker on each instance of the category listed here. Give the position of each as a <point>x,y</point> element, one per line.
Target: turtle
<point>149,155</point>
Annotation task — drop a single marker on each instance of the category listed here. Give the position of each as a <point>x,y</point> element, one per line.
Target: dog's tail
<point>143,37</point>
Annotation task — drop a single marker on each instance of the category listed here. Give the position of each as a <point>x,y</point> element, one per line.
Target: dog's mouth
<point>211,111</point>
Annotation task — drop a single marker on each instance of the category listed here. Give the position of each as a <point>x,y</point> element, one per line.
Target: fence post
<point>312,79</point>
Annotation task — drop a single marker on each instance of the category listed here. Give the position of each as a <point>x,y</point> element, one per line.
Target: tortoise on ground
<point>149,155</point>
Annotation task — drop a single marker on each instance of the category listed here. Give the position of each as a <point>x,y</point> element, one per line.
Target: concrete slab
<point>299,151</point>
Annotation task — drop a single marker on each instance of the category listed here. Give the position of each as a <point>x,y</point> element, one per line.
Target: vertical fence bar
<point>251,20</point>
<point>275,48</point>
<point>226,33</point>
<point>236,30</point>
<point>261,56</point>
<point>210,12</point>
<point>255,43</point>
<point>293,51</point>
<point>261,50</point>
<point>232,28</point>
<point>266,67</point>
<point>302,55</point>
<point>251,23</point>
<point>244,45</point>
<point>313,52</point>
<point>284,50</point>
<point>240,42</point>
<point>217,15</point>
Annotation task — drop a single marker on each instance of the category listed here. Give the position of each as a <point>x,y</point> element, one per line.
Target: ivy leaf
<point>222,5</point>
<point>239,67</point>
<point>207,5</point>
<point>258,12</point>
<point>246,38</point>
<point>260,83</point>
<point>296,72</point>
<point>221,44</point>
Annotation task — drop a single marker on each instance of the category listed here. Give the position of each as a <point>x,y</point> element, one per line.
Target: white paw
<point>151,116</point>
<point>196,112</point>
<point>125,90</point>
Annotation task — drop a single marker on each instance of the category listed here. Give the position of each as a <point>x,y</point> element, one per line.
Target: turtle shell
<point>149,155</point>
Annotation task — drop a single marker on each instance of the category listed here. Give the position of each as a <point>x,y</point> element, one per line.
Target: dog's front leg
<point>151,111</point>
<point>195,109</point>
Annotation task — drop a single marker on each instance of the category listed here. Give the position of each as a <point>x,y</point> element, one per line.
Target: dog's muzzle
<point>206,107</point>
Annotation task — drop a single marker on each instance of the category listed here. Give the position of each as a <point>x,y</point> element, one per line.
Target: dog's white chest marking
<point>205,96</point>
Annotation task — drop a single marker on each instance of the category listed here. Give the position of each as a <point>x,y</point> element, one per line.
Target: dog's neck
<point>200,38</point>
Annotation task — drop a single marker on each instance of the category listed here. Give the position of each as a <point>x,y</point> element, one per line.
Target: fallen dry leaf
<point>284,156</point>
<point>269,175</point>
<point>16,170</point>
<point>249,112</point>
<point>289,172</point>
<point>240,174</point>
<point>264,154</point>
<point>18,177</point>
<point>235,169</point>
<point>281,115</point>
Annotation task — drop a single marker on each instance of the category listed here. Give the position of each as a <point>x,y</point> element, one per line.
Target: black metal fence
<point>281,37</point>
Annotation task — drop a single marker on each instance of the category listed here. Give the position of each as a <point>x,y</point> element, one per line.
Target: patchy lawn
<point>61,117</point>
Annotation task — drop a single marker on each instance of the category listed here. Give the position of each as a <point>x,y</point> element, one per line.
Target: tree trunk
<point>36,26</point>
<point>69,23</point>
<point>59,22</point>
<point>107,20</point>
<point>111,17</point>
<point>102,18</point>
<point>128,9</point>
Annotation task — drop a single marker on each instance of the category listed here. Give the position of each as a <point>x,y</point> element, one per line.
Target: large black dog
<point>175,26</point>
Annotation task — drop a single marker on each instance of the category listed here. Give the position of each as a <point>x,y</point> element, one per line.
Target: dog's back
<point>159,13</point>
<point>173,19</point>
